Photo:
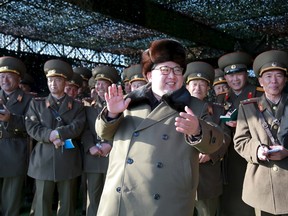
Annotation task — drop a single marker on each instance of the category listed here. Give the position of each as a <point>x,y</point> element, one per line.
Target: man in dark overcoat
<point>55,161</point>
<point>14,104</point>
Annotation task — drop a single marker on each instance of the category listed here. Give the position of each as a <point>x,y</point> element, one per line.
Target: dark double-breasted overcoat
<point>47,162</point>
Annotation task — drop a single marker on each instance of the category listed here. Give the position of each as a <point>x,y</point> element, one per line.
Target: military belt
<point>6,135</point>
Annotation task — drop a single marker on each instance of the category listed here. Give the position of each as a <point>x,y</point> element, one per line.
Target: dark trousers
<point>95,183</point>
<point>11,195</point>
<point>44,194</point>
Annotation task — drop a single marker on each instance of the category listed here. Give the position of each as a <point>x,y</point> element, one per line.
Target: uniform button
<point>130,161</point>
<point>118,189</point>
<point>275,168</point>
<point>165,137</point>
<point>136,134</point>
<point>156,196</point>
<point>159,164</point>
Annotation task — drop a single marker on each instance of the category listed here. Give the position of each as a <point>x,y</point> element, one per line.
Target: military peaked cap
<point>85,73</point>
<point>235,62</point>
<point>134,73</point>
<point>199,70</point>
<point>270,60</point>
<point>14,65</point>
<point>76,80</point>
<point>107,73</point>
<point>219,77</point>
<point>57,67</point>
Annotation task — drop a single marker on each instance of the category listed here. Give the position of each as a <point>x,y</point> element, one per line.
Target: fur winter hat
<point>162,51</point>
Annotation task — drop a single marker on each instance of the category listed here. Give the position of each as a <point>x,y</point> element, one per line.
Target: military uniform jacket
<point>13,136</point>
<point>265,182</point>
<point>47,162</point>
<point>210,173</point>
<point>93,164</point>
<point>153,170</point>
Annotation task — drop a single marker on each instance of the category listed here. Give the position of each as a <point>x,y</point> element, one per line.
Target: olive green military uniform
<point>234,166</point>
<point>95,167</point>
<point>52,167</point>
<point>210,176</point>
<point>264,186</point>
<point>13,141</point>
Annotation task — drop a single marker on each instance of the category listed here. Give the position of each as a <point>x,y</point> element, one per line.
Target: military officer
<point>135,76</point>
<point>219,84</point>
<point>125,81</point>
<point>96,150</point>
<point>13,137</point>
<point>235,66</point>
<point>53,121</point>
<point>153,165</point>
<point>256,140</point>
<point>73,84</point>
<point>199,77</point>
<point>86,74</point>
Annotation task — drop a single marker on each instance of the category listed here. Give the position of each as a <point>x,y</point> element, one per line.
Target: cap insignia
<point>274,64</point>
<point>233,66</point>
<point>4,68</point>
<point>198,75</point>
<point>52,71</point>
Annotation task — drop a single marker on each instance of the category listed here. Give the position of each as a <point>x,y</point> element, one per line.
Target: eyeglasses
<point>165,70</point>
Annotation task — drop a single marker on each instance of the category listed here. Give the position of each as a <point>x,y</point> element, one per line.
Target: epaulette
<point>39,98</point>
<point>249,101</point>
<point>77,100</point>
<point>217,104</point>
<point>260,89</point>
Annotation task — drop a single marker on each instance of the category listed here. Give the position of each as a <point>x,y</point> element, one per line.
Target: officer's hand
<point>278,155</point>
<point>187,123</point>
<point>95,151</point>
<point>203,158</point>
<point>54,135</point>
<point>231,123</point>
<point>58,143</point>
<point>106,148</point>
<point>115,101</point>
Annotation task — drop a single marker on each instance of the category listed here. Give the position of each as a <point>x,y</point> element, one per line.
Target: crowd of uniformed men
<point>53,141</point>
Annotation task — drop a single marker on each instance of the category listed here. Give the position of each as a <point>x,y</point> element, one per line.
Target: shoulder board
<point>249,101</point>
<point>77,100</point>
<point>259,89</point>
<point>217,104</point>
<point>39,98</point>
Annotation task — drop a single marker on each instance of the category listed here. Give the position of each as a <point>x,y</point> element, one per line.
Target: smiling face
<point>237,81</point>
<point>198,88</point>
<point>9,82</point>
<point>101,87</point>
<point>162,84</point>
<point>56,85</point>
<point>273,83</point>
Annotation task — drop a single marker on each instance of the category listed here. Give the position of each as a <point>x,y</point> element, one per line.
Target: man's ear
<point>149,76</point>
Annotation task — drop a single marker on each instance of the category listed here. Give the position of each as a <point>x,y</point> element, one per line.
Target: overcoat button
<point>156,196</point>
<point>165,137</point>
<point>275,168</point>
<point>159,165</point>
<point>130,161</point>
<point>136,134</point>
<point>118,189</point>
